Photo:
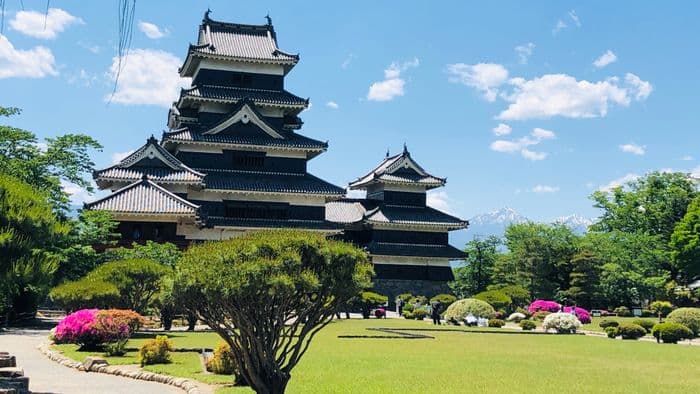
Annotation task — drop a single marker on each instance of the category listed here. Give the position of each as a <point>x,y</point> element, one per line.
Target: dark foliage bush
<point>631,331</point>
<point>420,314</point>
<point>612,331</point>
<point>444,299</point>
<point>498,323</point>
<point>670,332</point>
<point>605,323</point>
<point>528,325</point>
<point>622,311</point>
<point>646,323</point>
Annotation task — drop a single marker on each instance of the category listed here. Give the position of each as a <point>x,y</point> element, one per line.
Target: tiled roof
<point>128,169</point>
<point>253,42</point>
<point>291,140</point>
<point>280,98</point>
<point>259,181</point>
<point>417,250</point>
<point>413,216</point>
<point>144,197</point>
<point>220,221</point>
<point>400,168</point>
<point>358,210</point>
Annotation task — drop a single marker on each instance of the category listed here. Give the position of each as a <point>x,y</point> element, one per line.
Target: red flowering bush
<point>91,328</point>
<point>583,315</point>
<point>544,305</point>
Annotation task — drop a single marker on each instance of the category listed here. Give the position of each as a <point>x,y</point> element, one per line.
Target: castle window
<point>248,160</point>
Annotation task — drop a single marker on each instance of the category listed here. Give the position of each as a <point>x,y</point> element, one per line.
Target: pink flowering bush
<point>583,315</point>
<point>543,305</point>
<point>91,328</point>
<point>380,313</point>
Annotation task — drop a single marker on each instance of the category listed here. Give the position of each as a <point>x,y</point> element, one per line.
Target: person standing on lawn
<point>435,312</point>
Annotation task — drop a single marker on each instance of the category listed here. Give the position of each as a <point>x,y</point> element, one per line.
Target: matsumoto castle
<point>233,161</point>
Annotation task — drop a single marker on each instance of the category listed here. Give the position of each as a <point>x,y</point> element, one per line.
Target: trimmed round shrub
<point>605,323</point>
<point>155,351</point>
<point>661,308</point>
<point>516,317</point>
<point>518,294</point>
<point>527,325</point>
<point>407,314</point>
<point>670,332</point>
<point>91,328</point>
<point>631,331</point>
<point>583,315</point>
<point>459,310</point>
<point>370,300</point>
<point>541,315</point>
<point>543,305</point>
<point>689,317</point>
<point>420,300</point>
<point>79,328</point>
<point>380,313</point>
<point>497,299</point>
<point>444,299</point>
<point>622,311</point>
<point>222,362</point>
<point>405,297</point>
<point>498,323</point>
<point>612,331</point>
<point>563,323</point>
<point>645,323</point>
<point>420,314</point>
<point>84,294</point>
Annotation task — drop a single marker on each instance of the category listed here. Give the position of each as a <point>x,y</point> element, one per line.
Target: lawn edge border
<point>187,385</point>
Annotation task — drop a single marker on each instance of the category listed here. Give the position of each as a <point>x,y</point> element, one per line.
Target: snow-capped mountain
<point>577,223</point>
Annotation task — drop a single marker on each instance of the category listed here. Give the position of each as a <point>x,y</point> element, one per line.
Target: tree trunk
<point>191,322</point>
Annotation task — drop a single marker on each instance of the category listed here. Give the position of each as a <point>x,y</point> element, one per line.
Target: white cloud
<point>608,57</point>
<point>521,144</point>
<point>524,52</point>
<point>695,172</point>
<point>82,77</point>
<point>621,181</point>
<point>438,199</point>
<point>119,156</point>
<point>633,149</point>
<point>484,77</point>
<point>37,62</point>
<point>559,26</point>
<point>574,17</point>
<point>561,95</point>
<point>346,63</point>
<point>687,158</point>
<point>332,104</point>
<point>43,25</point>
<point>77,194</point>
<point>640,89</point>
<point>502,129</point>
<point>148,76</point>
<point>545,189</point>
<point>152,31</point>
<point>392,85</point>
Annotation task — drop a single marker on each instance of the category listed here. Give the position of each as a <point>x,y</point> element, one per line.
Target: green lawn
<point>468,361</point>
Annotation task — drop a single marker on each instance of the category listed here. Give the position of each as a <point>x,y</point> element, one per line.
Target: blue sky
<point>587,93</point>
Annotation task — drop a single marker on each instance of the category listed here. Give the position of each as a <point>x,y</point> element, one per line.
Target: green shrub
<point>540,315</point>
<point>647,313</point>
<point>459,310</point>
<point>420,314</point>
<point>222,361</point>
<point>622,311</point>
<point>370,300</point>
<point>605,323</point>
<point>631,331</point>
<point>420,300</point>
<point>138,281</point>
<point>444,299</point>
<point>689,317</point>
<point>408,308</point>
<point>407,314</point>
<point>661,308</point>
<point>670,332</point>
<point>528,325</point>
<point>155,351</point>
<point>498,323</point>
<point>405,297</point>
<point>645,323</point>
<point>496,298</point>
<point>522,310</point>
<point>117,348</point>
<point>85,293</point>
<point>518,295</point>
<point>612,331</point>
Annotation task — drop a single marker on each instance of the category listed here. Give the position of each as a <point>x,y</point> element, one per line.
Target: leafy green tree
<point>85,293</point>
<point>583,280</point>
<point>138,281</point>
<point>268,293</point>
<point>474,275</point>
<point>685,242</point>
<point>650,205</point>
<point>518,294</point>
<point>165,253</point>
<point>64,158</point>
<point>28,229</point>
<point>496,298</point>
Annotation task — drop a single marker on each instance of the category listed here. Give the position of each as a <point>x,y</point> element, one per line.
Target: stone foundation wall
<point>393,287</point>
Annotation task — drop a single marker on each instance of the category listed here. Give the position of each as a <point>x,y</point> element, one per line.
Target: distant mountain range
<point>495,223</point>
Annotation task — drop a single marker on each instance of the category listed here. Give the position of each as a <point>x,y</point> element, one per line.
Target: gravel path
<point>46,376</point>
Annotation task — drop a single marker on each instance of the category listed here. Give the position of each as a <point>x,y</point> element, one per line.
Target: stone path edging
<point>187,385</point>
